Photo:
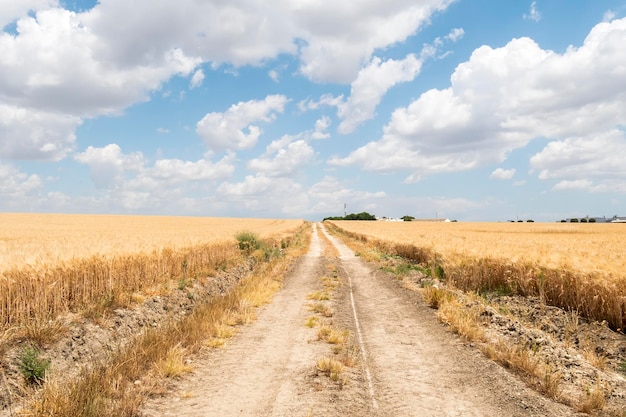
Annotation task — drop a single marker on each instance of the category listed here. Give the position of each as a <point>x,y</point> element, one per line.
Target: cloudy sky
<point>483,110</point>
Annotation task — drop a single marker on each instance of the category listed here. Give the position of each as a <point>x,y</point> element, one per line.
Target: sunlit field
<point>579,267</point>
<point>36,239</point>
<point>51,264</point>
<point>583,247</point>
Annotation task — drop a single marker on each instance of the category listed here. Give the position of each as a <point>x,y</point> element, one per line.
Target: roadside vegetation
<point>523,316</point>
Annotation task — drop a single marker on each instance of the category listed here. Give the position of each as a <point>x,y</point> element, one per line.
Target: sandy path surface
<point>410,365</point>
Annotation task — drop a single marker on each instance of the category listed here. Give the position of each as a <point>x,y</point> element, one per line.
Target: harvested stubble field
<point>54,263</point>
<point>578,267</point>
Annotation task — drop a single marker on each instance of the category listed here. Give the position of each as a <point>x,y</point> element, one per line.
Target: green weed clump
<point>32,366</point>
<point>248,241</point>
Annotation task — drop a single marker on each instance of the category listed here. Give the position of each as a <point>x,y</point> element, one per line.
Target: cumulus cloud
<point>32,134</point>
<point>502,174</point>
<point>500,100</point>
<point>374,80</point>
<point>594,163</point>
<point>340,37</point>
<point>108,165</point>
<point>103,60</point>
<point>14,183</point>
<point>371,84</point>
<point>111,168</point>
<point>321,126</point>
<point>234,129</point>
<point>11,11</point>
<point>283,158</point>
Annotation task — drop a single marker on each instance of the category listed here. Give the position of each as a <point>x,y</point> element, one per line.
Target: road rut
<point>410,364</point>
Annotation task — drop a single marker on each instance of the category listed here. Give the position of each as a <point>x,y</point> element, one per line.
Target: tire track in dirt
<point>418,367</point>
<point>267,369</point>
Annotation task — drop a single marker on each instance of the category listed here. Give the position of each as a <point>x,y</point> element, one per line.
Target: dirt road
<point>410,364</point>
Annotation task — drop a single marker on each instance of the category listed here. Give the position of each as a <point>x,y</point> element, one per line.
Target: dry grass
<point>331,367</point>
<point>323,309</point>
<point>319,296</point>
<point>174,363</point>
<point>594,398</point>
<point>576,267</point>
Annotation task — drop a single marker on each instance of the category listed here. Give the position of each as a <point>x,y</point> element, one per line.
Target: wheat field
<point>55,263</point>
<point>31,240</point>
<point>581,247</point>
<point>575,266</point>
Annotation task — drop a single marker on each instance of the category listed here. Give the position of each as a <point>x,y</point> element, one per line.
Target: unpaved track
<point>412,365</point>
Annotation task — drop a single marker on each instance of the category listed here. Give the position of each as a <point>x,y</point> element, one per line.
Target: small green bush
<point>32,366</point>
<point>248,241</point>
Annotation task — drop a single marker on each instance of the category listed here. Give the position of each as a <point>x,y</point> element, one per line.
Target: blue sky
<point>481,110</point>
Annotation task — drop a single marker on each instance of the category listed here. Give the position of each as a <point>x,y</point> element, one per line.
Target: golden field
<point>578,267</point>
<point>40,239</point>
<point>54,263</point>
<point>597,248</point>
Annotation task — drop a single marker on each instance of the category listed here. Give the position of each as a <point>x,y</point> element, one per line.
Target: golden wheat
<point>578,267</point>
<point>57,263</point>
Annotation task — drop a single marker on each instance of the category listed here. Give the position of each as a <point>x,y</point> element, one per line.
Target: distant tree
<point>408,218</point>
<point>592,220</point>
<point>573,221</point>
<point>583,220</point>
<point>530,221</point>
<point>352,216</point>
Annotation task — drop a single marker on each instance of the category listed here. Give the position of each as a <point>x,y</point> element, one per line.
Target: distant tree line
<point>359,216</point>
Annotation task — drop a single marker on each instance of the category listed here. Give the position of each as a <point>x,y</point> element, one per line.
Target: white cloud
<point>163,130</point>
<point>196,79</point>
<point>533,14</point>
<point>455,34</point>
<point>321,126</point>
<point>500,100</point>
<point>502,174</point>
<point>108,165</point>
<point>112,169</point>
<point>32,134</point>
<point>340,37</point>
<point>371,85</point>
<point>234,129</point>
<point>55,64</point>
<point>594,163</point>
<point>283,160</point>
<point>608,16</point>
<point>274,75</point>
<point>330,194</point>
<point>573,185</point>
<point>325,100</point>
<point>12,10</point>
<point>16,184</point>
<point>101,61</point>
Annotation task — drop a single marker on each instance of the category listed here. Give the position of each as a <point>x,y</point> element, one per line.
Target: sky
<point>473,110</point>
